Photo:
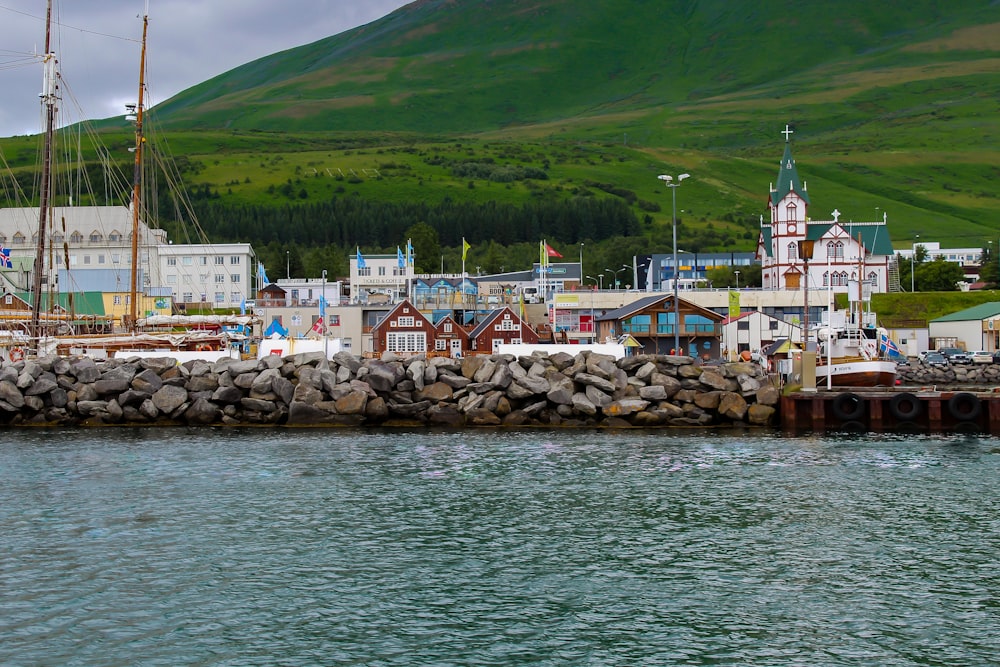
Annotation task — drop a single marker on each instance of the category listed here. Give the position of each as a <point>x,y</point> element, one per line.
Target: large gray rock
<point>10,394</point>
<point>352,404</point>
<point>625,407</point>
<point>147,381</point>
<point>439,391</point>
<point>732,406</point>
<point>596,381</point>
<point>168,398</point>
<point>85,369</point>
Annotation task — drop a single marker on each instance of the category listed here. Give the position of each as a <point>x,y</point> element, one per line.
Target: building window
<point>234,260</point>
<point>793,251</point>
<point>95,237</point>
<point>220,278</point>
<point>234,278</point>
<point>405,321</point>
<point>203,260</point>
<point>172,280</point>
<point>187,261</point>
<point>171,261</point>
<point>447,327</point>
<point>220,297</point>
<point>117,300</point>
<point>219,259</point>
<point>440,345</point>
<point>188,296</point>
<point>365,271</point>
<point>406,341</point>
<point>235,297</point>
<point>86,259</point>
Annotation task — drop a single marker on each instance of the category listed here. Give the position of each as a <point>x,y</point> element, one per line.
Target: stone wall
<point>955,375</point>
<point>588,389</point>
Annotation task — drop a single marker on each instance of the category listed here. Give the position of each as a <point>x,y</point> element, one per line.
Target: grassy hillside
<point>893,106</point>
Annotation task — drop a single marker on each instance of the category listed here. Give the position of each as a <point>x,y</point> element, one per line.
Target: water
<point>339,547</point>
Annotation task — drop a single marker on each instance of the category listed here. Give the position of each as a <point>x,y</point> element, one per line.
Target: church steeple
<point>788,175</point>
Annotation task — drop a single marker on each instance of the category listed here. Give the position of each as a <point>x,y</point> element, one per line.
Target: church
<point>796,251</point>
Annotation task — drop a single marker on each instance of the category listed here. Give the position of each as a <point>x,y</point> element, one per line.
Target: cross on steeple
<point>787,132</point>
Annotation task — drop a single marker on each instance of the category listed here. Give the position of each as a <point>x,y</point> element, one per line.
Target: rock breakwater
<point>588,390</point>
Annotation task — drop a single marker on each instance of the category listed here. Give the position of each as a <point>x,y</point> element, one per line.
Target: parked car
<point>996,357</point>
<point>956,355</point>
<point>936,359</point>
<point>982,357</point>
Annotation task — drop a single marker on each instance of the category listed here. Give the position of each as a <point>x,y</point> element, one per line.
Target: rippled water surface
<point>339,547</point>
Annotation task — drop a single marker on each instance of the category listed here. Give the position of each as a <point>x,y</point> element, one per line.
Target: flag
<point>400,260</point>
<point>465,248</point>
<point>361,260</point>
<point>318,326</point>
<point>409,252</point>
<point>243,307</point>
<point>734,303</point>
<point>550,251</point>
<point>262,274</point>
<point>322,306</point>
<point>5,262</point>
<point>888,347</point>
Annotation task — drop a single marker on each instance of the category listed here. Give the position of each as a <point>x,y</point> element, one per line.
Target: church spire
<point>788,175</point>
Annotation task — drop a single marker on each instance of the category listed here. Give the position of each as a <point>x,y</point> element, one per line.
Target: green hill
<point>893,105</point>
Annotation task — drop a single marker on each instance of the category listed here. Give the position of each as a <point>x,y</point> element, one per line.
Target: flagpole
<point>462,281</point>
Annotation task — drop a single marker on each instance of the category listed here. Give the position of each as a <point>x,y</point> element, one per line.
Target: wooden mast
<point>49,88</point>
<point>137,184</point>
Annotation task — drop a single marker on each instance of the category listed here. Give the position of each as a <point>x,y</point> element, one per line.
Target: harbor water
<point>535,547</point>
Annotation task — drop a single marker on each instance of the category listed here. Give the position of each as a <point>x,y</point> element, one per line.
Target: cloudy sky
<point>189,41</point>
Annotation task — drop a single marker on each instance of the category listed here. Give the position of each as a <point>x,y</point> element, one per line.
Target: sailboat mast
<point>137,183</point>
<point>44,203</point>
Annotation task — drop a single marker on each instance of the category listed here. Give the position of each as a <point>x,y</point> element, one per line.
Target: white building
<point>94,242</point>
<point>219,275</point>
<point>380,277</point>
<point>796,251</point>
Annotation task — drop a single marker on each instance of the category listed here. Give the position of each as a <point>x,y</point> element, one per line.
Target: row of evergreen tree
<point>353,221</point>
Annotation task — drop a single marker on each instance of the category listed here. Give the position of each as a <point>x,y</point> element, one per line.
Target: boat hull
<point>857,374</point>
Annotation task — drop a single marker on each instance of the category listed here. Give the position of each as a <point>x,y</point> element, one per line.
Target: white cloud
<point>189,41</point>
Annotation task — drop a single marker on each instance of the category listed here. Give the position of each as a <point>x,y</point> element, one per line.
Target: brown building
<point>500,326</point>
<point>404,330</point>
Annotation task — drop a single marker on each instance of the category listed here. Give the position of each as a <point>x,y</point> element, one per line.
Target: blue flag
<point>243,307</point>
<point>361,260</point>
<point>400,260</point>
<point>322,306</point>
<point>409,250</point>
<point>263,274</point>
<point>5,261</point>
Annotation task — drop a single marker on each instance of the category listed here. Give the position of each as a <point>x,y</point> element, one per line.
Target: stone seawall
<point>956,375</point>
<point>588,390</point>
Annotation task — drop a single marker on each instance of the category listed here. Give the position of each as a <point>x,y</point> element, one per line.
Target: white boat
<point>853,352</point>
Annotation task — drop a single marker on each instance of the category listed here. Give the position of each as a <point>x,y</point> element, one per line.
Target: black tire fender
<point>965,406</point>
<point>848,407</point>
<point>905,407</point>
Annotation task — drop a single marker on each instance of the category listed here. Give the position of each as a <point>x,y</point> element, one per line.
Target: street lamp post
<point>288,264</point>
<point>616,272</point>
<point>913,255</point>
<point>322,314</point>
<point>737,280</point>
<point>668,181</point>
<point>593,321</point>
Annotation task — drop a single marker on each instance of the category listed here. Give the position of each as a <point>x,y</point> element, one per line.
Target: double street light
<point>668,181</point>
<point>616,272</point>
